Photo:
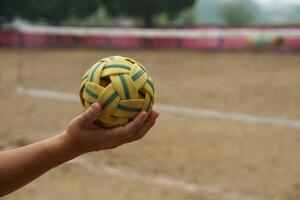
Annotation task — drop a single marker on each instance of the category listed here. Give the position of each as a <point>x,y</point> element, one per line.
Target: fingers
<point>141,132</point>
<point>134,125</point>
<point>90,115</point>
<point>146,126</point>
<point>136,129</point>
<point>128,130</point>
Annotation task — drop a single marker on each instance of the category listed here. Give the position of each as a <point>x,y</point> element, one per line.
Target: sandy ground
<point>222,159</point>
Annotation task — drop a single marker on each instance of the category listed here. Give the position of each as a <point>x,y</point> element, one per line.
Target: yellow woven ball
<point>122,86</point>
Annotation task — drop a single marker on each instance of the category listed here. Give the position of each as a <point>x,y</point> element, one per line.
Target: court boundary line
<point>175,109</point>
<point>157,180</point>
<point>160,180</point>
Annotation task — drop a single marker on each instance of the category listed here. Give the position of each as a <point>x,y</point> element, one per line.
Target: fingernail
<point>157,114</point>
<point>96,108</point>
<point>144,114</point>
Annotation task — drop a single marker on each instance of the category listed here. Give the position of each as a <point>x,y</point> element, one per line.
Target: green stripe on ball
<point>137,75</point>
<point>92,94</point>
<point>125,87</point>
<point>109,100</point>
<point>129,109</point>
<point>116,66</point>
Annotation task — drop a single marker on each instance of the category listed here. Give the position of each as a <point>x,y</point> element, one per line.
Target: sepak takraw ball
<point>122,86</point>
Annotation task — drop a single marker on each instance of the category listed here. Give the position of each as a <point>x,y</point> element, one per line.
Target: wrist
<point>60,149</point>
<point>69,144</point>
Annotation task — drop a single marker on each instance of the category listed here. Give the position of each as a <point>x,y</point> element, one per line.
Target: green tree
<point>146,9</point>
<point>236,13</point>
<point>186,17</point>
<point>53,11</point>
<point>6,10</point>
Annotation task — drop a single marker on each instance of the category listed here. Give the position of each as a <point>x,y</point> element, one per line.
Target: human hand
<point>22,165</point>
<point>86,136</point>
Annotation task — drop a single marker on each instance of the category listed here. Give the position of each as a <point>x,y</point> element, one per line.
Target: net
<point>194,38</point>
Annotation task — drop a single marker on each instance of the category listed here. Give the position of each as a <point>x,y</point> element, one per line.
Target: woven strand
<point>122,86</point>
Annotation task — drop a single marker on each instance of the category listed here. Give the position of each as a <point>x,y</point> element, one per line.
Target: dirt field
<point>184,157</point>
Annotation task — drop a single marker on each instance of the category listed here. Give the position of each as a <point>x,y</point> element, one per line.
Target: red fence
<point>13,37</point>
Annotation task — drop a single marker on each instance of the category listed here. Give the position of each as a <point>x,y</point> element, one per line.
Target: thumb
<point>90,115</point>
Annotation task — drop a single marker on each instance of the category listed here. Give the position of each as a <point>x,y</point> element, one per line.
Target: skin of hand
<point>22,165</point>
<point>88,136</point>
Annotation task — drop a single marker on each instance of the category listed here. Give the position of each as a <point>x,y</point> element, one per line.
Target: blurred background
<point>152,13</point>
<point>227,80</point>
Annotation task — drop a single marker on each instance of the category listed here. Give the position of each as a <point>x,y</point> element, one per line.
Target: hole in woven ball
<point>142,93</point>
<point>105,81</point>
<point>129,60</point>
<point>114,116</point>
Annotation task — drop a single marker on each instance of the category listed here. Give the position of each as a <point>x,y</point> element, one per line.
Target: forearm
<point>20,166</point>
